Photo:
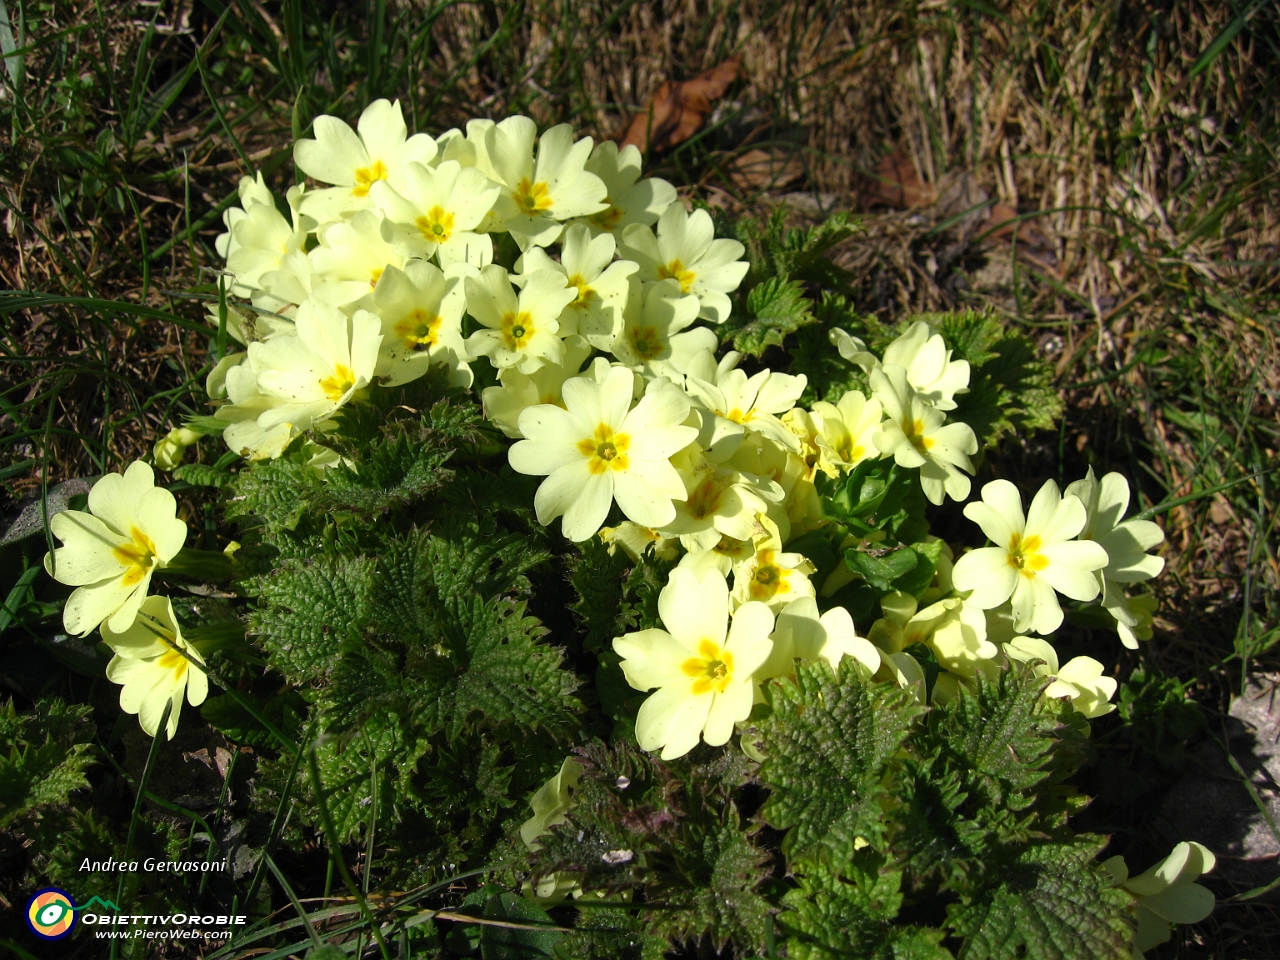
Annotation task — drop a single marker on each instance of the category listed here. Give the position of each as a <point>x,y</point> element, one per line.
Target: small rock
<point>1210,804</point>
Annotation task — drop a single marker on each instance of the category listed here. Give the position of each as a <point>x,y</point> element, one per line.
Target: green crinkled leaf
<point>828,747</point>
<point>830,375</point>
<point>722,904</point>
<point>43,756</point>
<point>270,491</point>
<point>596,576</point>
<point>353,766</point>
<point>402,463</point>
<point>777,307</point>
<point>1002,735</point>
<point>509,676</point>
<point>1053,901</point>
<point>307,610</point>
<point>440,643</point>
<point>831,916</point>
<point>285,711</point>
<point>204,475</point>
<point>1011,391</point>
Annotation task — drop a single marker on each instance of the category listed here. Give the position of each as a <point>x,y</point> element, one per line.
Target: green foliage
<point>789,270</point>
<point>1053,900</point>
<point>672,832</point>
<point>776,307</point>
<point>956,808</point>
<point>43,756</point>
<point>520,941</point>
<point>1011,392</point>
<point>829,747</point>
<point>832,914</point>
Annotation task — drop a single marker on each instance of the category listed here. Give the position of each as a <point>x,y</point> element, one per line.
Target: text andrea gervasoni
<point>152,865</point>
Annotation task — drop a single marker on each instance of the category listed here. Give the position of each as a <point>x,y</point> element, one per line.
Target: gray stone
<point>30,518</point>
<point>1211,804</point>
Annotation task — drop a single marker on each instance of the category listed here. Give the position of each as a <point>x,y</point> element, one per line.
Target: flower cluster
<point>593,294</point>
<point>109,554</point>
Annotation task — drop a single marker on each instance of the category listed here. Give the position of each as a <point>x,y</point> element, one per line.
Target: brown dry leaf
<point>898,185</point>
<point>677,110</point>
<point>765,169</point>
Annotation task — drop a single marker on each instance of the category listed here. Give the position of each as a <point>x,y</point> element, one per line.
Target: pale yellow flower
<point>109,554</point>
<point>154,665</point>
<point>705,681</point>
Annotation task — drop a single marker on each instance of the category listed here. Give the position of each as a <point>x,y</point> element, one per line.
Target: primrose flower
<point>434,207</point>
<point>519,332</point>
<point>258,237</point>
<point>653,337</point>
<point>686,250</point>
<point>109,554</point>
<point>747,403</point>
<point>351,259</point>
<point>769,575</point>
<point>151,663</point>
<point>518,391</point>
<point>954,629</point>
<point>720,503</point>
<point>318,371</point>
<point>247,405</point>
<point>914,434</point>
<point>922,353</point>
<point>1032,556</point>
<point>597,449</point>
<point>630,199</point>
<point>705,682</point>
<point>600,282</point>
<point>421,311</point>
<point>1126,543</point>
<point>801,633</point>
<point>1167,893</point>
<point>1080,680</point>
<point>846,432</point>
<point>538,195</point>
<point>723,557</point>
<point>382,150</point>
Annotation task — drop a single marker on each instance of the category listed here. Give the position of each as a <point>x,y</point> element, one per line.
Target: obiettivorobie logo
<point>51,913</point>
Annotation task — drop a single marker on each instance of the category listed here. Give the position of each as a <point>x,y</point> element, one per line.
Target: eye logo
<point>51,913</point>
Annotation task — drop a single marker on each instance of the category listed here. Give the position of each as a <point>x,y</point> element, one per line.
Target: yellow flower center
<point>419,330</point>
<point>646,342</point>
<point>1025,555</point>
<point>606,450</point>
<point>585,292</point>
<point>737,416</point>
<point>517,330</point>
<point>532,197</point>
<point>437,225</point>
<point>374,276</point>
<point>607,218</point>
<point>711,670</point>
<point>335,387</point>
<point>173,662</point>
<point>675,271</point>
<point>914,429</point>
<point>365,177</point>
<point>137,556</point>
<point>768,580</point>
